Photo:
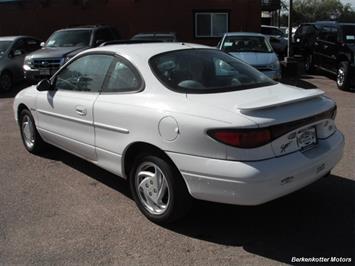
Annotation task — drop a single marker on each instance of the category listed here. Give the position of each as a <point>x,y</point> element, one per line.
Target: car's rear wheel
<point>158,189</point>
<point>343,81</point>
<point>29,134</point>
<point>5,81</point>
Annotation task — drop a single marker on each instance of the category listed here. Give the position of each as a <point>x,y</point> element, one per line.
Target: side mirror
<point>44,85</point>
<point>17,53</point>
<point>42,44</point>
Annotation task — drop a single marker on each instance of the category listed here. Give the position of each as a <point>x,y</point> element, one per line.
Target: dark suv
<point>329,46</point>
<point>61,46</point>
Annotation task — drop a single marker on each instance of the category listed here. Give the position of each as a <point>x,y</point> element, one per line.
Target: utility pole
<point>289,50</point>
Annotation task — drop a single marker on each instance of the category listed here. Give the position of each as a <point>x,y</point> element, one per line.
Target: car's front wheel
<point>158,189</point>
<point>29,134</point>
<point>5,81</point>
<point>343,80</point>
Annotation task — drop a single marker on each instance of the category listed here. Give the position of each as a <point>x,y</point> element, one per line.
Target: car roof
<point>139,52</point>
<point>256,34</point>
<point>155,34</point>
<point>85,27</point>
<point>13,38</point>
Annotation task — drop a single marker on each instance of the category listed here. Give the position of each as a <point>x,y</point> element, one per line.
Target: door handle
<point>81,110</point>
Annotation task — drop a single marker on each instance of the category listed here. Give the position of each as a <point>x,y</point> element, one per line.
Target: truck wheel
<point>5,81</point>
<point>343,81</point>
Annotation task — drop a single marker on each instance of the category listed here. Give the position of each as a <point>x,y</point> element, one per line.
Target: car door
<point>117,112</point>
<point>325,47</point>
<point>65,114</point>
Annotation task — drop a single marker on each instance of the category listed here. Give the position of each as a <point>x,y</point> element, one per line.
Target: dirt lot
<point>58,209</point>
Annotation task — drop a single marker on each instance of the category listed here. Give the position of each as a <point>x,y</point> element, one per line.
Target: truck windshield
<point>349,33</point>
<point>205,71</point>
<point>243,44</point>
<point>69,38</point>
<point>4,45</point>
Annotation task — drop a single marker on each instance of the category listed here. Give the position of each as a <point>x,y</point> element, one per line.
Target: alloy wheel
<point>152,188</point>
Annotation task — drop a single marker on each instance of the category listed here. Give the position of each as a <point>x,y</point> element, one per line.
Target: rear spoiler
<point>269,102</point>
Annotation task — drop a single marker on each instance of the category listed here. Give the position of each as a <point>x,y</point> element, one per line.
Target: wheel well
<point>138,148</point>
<point>8,72</point>
<point>20,108</point>
<point>343,58</point>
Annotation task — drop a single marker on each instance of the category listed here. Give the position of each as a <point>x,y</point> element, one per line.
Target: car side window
<point>32,45</point>
<point>19,47</point>
<point>103,35</point>
<point>84,74</point>
<point>329,34</point>
<point>122,78</point>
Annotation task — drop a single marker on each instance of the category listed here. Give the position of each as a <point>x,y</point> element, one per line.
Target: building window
<point>211,24</point>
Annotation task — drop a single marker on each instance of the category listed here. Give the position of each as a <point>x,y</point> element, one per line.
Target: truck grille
<point>53,63</point>
<point>263,68</point>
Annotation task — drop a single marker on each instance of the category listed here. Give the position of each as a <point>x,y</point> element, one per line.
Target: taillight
<point>246,138</point>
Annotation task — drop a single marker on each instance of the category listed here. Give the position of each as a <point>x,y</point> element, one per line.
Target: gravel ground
<point>59,209</point>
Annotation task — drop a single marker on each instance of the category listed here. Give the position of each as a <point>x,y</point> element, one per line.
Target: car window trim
<point>54,77</point>
<point>119,58</point>
<point>202,91</point>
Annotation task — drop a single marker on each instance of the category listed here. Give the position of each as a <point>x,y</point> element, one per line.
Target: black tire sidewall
<point>6,73</point>
<point>172,178</point>
<point>345,67</point>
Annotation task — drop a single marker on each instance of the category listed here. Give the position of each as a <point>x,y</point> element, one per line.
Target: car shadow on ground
<point>318,220</point>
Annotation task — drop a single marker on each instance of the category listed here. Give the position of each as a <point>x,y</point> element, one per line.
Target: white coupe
<point>182,121</point>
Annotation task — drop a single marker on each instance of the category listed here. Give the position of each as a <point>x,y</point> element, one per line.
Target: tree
<point>313,10</point>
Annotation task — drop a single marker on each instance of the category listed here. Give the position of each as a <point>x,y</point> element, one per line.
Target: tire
<point>164,199</point>
<point>6,81</point>
<point>309,64</point>
<point>29,134</point>
<point>343,80</point>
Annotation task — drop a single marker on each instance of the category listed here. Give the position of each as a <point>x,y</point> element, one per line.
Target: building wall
<point>128,16</point>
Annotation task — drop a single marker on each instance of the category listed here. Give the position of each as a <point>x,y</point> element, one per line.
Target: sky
<point>352,2</point>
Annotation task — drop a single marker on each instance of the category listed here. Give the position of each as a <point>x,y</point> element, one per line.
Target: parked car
<point>332,49</point>
<point>180,120</point>
<point>63,45</point>
<point>304,39</point>
<point>254,49</point>
<point>159,36</point>
<point>278,39</point>
<point>12,53</point>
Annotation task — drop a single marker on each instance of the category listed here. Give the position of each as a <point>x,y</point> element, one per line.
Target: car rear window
<point>349,33</point>
<point>205,71</point>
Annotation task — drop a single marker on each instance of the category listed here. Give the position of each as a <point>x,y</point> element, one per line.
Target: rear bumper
<point>254,183</point>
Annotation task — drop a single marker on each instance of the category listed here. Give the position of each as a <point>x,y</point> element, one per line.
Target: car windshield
<point>4,45</point>
<point>349,34</point>
<point>243,44</point>
<point>69,38</point>
<point>205,71</point>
